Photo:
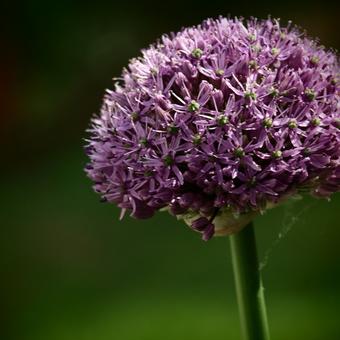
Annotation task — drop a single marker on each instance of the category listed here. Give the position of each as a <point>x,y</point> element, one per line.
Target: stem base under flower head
<point>249,289</point>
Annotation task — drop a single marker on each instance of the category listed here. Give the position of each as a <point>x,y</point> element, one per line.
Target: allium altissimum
<point>226,118</point>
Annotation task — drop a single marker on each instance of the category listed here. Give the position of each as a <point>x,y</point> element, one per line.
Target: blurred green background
<point>69,268</point>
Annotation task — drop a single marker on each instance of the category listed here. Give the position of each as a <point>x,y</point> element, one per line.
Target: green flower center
<point>277,154</point>
<point>148,173</point>
<point>197,139</point>
<point>275,51</point>
<point>250,95</point>
<point>222,120</point>
<point>306,152</point>
<point>256,48</point>
<point>310,94</point>
<point>172,129</point>
<point>274,92</point>
<point>239,152</point>
<point>267,122</point>
<point>251,37</point>
<point>134,116</point>
<point>316,121</point>
<point>314,60</point>
<point>252,64</point>
<point>168,160</point>
<point>143,142</point>
<point>193,106</point>
<point>219,72</point>
<point>292,124</point>
<point>197,53</point>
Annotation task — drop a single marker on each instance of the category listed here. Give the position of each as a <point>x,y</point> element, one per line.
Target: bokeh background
<point>69,268</point>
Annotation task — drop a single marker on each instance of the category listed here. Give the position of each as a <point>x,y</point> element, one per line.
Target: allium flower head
<point>219,122</point>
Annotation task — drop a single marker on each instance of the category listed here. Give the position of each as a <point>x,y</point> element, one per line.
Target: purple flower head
<point>224,119</point>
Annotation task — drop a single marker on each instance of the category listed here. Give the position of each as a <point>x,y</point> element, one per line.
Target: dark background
<point>69,268</point>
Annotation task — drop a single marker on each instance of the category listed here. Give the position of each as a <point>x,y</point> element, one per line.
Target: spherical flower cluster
<point>223,119</point>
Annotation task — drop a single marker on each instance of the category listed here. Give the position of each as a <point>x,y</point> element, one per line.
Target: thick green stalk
<point>249,289</point>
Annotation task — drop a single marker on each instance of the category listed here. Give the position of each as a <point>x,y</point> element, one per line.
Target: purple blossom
<point>229,115</point>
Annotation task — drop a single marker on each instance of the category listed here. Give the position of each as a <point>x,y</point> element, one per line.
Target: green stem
<point>249,289</point>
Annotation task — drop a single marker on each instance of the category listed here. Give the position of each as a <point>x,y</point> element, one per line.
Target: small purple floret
<point>200,224</point>
<point>229,114</point>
